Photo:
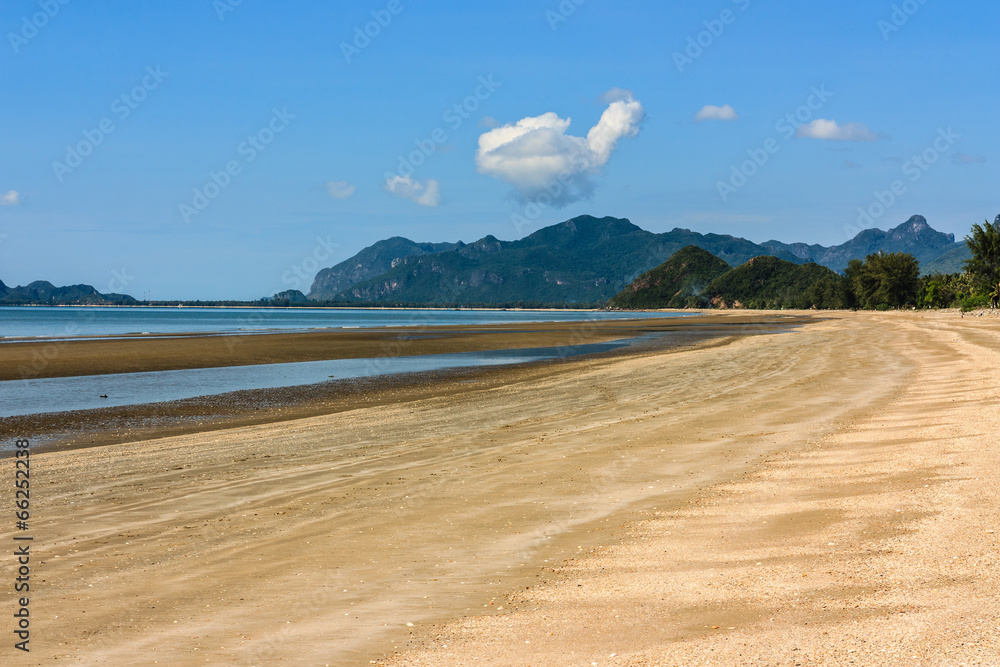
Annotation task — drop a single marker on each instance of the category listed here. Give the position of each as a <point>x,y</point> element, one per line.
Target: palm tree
<point>995,297</point>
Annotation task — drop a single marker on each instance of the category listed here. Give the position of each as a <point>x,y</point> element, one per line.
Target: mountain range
<point>43,293</point>
<point>585,260</point>
<point>914,236</point>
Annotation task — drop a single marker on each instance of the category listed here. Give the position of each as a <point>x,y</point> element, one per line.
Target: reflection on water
<point>22,397</point>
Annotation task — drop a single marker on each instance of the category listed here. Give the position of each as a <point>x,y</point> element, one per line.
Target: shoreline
<point>99,356</point>
<point>105,426</point>
<point>105,356</point>
<point>153,335</point>
<point>542,309</point>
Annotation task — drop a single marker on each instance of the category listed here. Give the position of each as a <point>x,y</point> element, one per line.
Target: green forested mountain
<point>370,262</point>
<point>677,283</point>
<point>769,282</point>
<point>583,260</point>
<point>44,293</point>
<point>952,261</point>
<point>914,237</point>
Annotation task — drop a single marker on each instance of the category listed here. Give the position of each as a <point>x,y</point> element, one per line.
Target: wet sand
<point>133,354</point>
<point>88,428</point>
<point>820,497</point>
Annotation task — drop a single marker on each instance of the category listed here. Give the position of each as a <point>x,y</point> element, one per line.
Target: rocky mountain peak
<point>917,223</point>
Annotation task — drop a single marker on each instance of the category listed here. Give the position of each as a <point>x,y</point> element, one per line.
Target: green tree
<point>858,286</point>
<point>940,291</point>
<point>884,280</point>
<point>829,292</point>
<point>984,266</point>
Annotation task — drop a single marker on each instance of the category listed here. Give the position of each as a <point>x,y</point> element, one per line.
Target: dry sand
<point>822,497</point>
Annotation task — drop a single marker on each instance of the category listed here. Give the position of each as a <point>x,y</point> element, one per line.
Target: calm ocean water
<point>58,322</point>
<point>23,397</point>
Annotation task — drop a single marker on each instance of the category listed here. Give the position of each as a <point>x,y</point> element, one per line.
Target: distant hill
<point>914,236</point>
<point>583,260</point>
<point>677,283</point>
<point>952,261</point>
<point>769,282</point>
<point>370,262</point>
<point>286,298</point>
<point>44,293</point>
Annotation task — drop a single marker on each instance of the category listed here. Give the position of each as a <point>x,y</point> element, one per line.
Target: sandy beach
<point>826,496</point>
<point>129,423</point>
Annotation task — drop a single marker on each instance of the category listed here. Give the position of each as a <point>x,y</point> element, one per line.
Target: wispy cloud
<point>829,130</point>
<point>964,158</point>
<point>617,95</point>
<point>851,164</point>
<point>340,189</point>
<point>712,112</point>
<point>405,187</point>
<point>12,198</point>
<point>536,156</point>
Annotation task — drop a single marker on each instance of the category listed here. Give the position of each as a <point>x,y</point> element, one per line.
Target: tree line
<point>892,280</point>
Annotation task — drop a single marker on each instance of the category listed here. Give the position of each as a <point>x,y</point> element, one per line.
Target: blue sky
<point>209,85</point>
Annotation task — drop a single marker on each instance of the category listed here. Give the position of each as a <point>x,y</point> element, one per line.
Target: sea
<point>76,321</point>
<point>52,395</point>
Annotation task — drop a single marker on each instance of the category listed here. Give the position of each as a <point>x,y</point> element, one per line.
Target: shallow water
<point>61,322</point>
<point>23,397</point>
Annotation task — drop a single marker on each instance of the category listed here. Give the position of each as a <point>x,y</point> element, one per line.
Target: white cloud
<point>537,157</point>
<point>712,112</point>
<point>340,189</point>
<point>830,130</point>
<point>12,198</point>
<point>405,187</point>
